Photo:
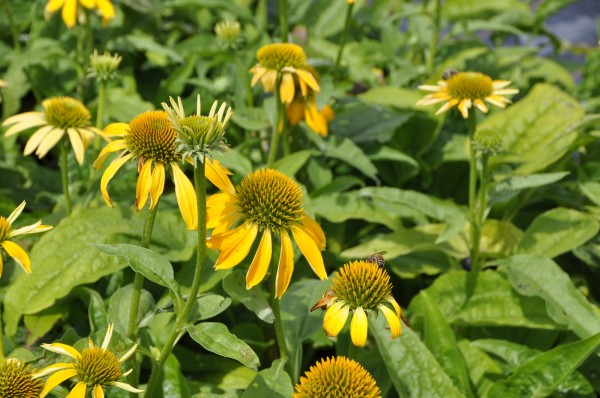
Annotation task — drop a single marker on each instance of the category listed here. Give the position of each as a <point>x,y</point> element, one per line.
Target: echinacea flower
<point>7,233</point>
<point>270,203</point>
<point>104,67</point>
<point>93,367</point>
<point>16,380</point>
<point>70,9</point>
<point>285,61</point>
<point>150,139</point>
<point>62,115</point>
<point>465,89</point>
<point>363,288</point>
<point>337,377</point>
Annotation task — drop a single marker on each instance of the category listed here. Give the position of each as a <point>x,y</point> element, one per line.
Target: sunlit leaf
<point>273,382</point>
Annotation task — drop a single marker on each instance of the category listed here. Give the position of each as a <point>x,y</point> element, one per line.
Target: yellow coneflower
<point>16,380</point>
<point>267,202</point>
<point>362,287</point>
<point>337,377</point>
<point>62,115</point>
<point>466,89</point>
<point>70,9</point>
<point>151,140</point>
<point>7,232</point>
<point>285,60</point>
<point>94,367</point>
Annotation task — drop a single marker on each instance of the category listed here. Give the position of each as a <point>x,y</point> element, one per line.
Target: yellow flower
<point>93,367</point>
<point>337,377</point>
<point>284,60</point>
<point>70,9</point>
<point>11,248</point>
<point>150,139</point>
<point>269,202</point>
<point>62,115</point>
<point>16,380</point>
<point>351,1</point>
<point>466,89</point>
<point>362,287</point>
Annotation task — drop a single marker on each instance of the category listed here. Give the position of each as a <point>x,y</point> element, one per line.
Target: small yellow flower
<point>466,89</point>
<point>16,380</point>
<point>62,115</point>
<point>283,60</point>
<point>337,377</point>
<point>93,367</point>
<point>150,139</point>
<point>362,287</point>
<point>7,233</point>
<point>70,8</point>
<point>267,202</point>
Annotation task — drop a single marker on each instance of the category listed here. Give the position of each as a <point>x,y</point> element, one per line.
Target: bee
<point>377,258</point>
<point>448,73</point>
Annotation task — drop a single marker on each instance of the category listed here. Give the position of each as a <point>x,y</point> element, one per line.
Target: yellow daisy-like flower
<point>150,139</point>
<point>70,8</point>
<point>337,377</point>
<point>466,89</point>
<point>7,233</point>
<point>267,202</point>
<point>284,60</point>
<point>16,380</point>
<point>93,367</point>
<point>362,287</point>
<point>62,115</point>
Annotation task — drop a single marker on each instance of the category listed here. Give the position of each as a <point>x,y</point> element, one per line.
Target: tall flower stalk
<point>283,20</point>
<point>338,59</point>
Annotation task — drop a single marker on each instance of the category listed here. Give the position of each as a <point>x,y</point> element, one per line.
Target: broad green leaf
<point>537,130</point>
<point>411,367</point>
<point>97,313</point>
<point>339,184</point>
<point>235,162</point>
<point>392,96</point>
<point>541,277</point>
<point>124,103</point>
<point>499,238</point>
<point>215,337</point>
<point>347,151</point>
<point>251,118</point>
<point>557,231</point>
<point>469,9</point>
<point>492,302</point>
<point>510,187</point>
<point>56,272</point>
<point>483,370</point>
<point>440,340</point>
<point>156,53</point>
<point>413,264</point>
<point>290,164</point>
<point>41,323</point>
<point>174,383</point>
<point>273,382</point>
<point>540,376</point>
<point>254,299</point>
<point>207,306</point>
<point>119,307</point>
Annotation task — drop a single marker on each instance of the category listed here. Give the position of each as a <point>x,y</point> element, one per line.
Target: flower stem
<point>278,323</point>
<point>101,103</point>
<point>481,206</point>
<point>1,334</point>
<point>338,60</point>
<point>180,321</point>
<point>64,174</point>
<point>244,75</point>
<point>475,233</point>
<point>283,20</point>
<point>434,35</point>
<point>278,122</point>
<point>13,28</point>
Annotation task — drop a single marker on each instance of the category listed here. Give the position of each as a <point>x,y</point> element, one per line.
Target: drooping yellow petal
<point>464,107</point>
<point>126,387</point>
<point>268,80</point>
<point>34,141</point>
<point>307,77</point>
<point>53,368</point>
<point>392,319</point>
<point>314,230</point>
<point>107,150</point>
<point>238,250</point>
<point>217,174</point>
<point>116,129</point>
<point>286,89</point>
<point>16,252</point>
<point>109,174</point>
<point>69,13</point>
<point>48,142</point>
<point>335,318</point>
<point>56,379</point>
<point>89,4</point>
<point>186,197</point>
<point>158,183</point>
<point>77,144</point>
<point>315,120</point>
<point>358,327</point>
<point>285,268</point>
<point>260,264</point>
<point>144,182</point>
<point>257,73</point>
<point>481,105</point>
<point>450,104</point>
<point>98,392</point>
<point>63,349</point>
<point>106,9</point>
<point>54,5</point>
<point>310,250</point>
<point>79,390</point>
<point>396,306</point>
<point>24,125</point>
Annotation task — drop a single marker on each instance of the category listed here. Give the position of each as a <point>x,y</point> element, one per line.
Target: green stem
<point>352,350</point>
<point>1,333</point>
<point>338,60</point>
<point>275,134</point>
<point>435,35</point>
<point>244,75</point>
<point>481,206</point>
<point>283,20</point>
<point>472,125</point>
<point>13,28</point>
<point>279,334</point>
<point>101,103</point>
<point>64,174</point>
<point>180,321</point>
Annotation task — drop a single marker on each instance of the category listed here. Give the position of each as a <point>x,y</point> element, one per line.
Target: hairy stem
<point>472,125</point>
<point>64,174</point>
<point>283,20</point>
<point>278,323</point>
<point>338,60</point>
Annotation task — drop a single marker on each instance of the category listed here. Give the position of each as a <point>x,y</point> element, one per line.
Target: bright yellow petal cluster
<point>266,202</point>
<point>93,367</point>
<point>70,8</point>
<point>16,380</point>
<point>337,377</point>
<point>465,90</point>
<point>62,115</point>
<point>362,287</point>
<point>7,232</point>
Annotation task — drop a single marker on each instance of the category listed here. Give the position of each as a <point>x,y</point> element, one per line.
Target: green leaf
<point>347,151</point>
<point>412,368</point>
<point>440,340</point>
<point>254,300</point>
<point>174,383</point>
<point>235,162</point>
<point>499,238</point>
<point>215,337</point>
<point>557,231</point>
<point>392,96</point>
<point>41,323</point>
<point>252,119</point>
<point>97,314</point>
<point>510,187</point>
<point>119,307</point>
<point>540,376</point>
<point>483,370</point>
<point>541,277</point>
<point>207,306</point>
<point>273,382</point>
<point>290,164</point>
